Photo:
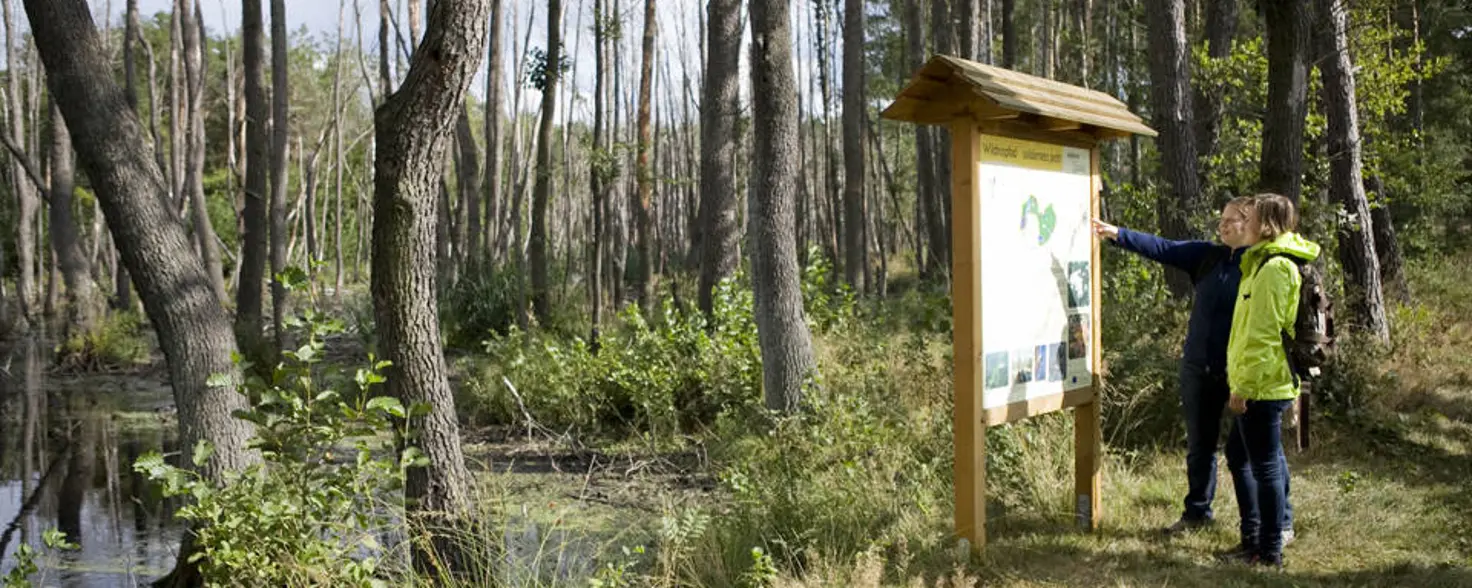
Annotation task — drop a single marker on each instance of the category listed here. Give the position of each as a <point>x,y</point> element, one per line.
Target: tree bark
<point>192,24</point>
<point>855,247</point>
<point>786,347</point>
<point>1365,301</point>
<point>601,164</point>
<point>254,237</point>
<point>469,184</point>
<point>1281,168</point>
<point>1009,34</point>
<point>494,139</point>
<point>718,112</point>
<point>542,193</point>
<point>413,128</point>
<point>643,204</point>
<point>924,155</point>
<point>1221,29</point>
<point>280,95</point>
<point>25,195</point>
<point>1170,77</point>
<point>1387,246</point>
<point>81,291</point>
<point>192,326</point>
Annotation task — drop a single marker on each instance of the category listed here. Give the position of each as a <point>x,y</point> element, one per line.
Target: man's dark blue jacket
<point>1216,271</point>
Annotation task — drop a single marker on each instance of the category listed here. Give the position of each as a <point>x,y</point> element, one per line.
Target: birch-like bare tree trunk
<point>280,110</point>
<point>643,203</point>
<point>719,108</point>
<point>537,253</point>
<point>255,234</point>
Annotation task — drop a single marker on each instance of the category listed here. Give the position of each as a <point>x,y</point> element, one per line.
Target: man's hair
<point>1276,213</point>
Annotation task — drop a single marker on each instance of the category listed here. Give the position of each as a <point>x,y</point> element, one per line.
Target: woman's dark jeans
<point>1204,396</point>
<point>1260,474</point>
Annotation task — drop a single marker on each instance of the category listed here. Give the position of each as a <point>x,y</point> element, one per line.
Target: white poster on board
<point>1036,269</point>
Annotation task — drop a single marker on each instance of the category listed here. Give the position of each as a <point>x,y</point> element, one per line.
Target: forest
<point>638,293</point>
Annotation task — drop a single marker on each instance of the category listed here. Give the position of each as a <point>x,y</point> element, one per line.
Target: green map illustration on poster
<point>1036,273</point>
<point>1046,218</point>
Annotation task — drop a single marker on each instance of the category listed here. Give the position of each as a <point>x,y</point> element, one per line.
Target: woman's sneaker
<point>1242,553</point>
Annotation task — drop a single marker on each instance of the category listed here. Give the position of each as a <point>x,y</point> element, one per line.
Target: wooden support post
<point>969,426</point>
<point>1088,441</point>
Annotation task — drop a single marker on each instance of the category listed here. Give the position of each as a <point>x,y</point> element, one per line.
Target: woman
<point>1215,271</point>
<point>1262,384</point>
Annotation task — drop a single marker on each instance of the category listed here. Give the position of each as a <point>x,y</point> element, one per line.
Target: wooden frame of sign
<point>1011,134</point>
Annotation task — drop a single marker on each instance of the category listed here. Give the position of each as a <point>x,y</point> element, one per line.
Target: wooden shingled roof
<point>948,88</point>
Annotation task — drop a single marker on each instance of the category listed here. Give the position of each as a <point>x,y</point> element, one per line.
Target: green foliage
<point>118,342</point>
<point>647,377</point>
<point>313,510</point>
<point>480,304</point>
<point>536,71</point>
<point>25,566</point>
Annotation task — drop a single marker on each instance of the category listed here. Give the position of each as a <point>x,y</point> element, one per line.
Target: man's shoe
<point>1271,563</point>
<point>1185,525</point>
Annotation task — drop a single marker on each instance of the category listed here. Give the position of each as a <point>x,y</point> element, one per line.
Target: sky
<point>678,41</point>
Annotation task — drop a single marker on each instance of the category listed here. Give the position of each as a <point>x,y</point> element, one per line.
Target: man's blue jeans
<point>1260,474</point>
<point>1203,398</point>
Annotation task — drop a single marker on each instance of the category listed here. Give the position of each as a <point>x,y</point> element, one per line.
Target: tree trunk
<point>81,291</point>
<point>643,204</point>
<point>600,170</point>
<point>719,108</point>
<point>542,194</point>
<point>938,216</point>
<point>254,236</point>
<point>337,151</point>
<point>192,24</point>
<point>787,352</point>
<point>1287,108</point>
<point>469,184</point>
<point>192,326</point>
<point>1387,245</point>
<point>856,250</point>
<point>25,194</point>
<point>280,94</point>
<point>1363,295</point>
<point>412,130</point>
<point>493,112</point>
<point>1221,29</point>
<point>924,157</point>
<point>1170,77</point>
<point>1009,34</point>
<point>82,308</point>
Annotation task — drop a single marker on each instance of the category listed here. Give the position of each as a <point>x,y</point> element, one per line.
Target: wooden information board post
<point>1024,183</point>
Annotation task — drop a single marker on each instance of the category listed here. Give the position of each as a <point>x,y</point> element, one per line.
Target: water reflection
<point>67,445</point>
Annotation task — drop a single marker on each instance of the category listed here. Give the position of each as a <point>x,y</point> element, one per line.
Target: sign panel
<point>1036,269</point>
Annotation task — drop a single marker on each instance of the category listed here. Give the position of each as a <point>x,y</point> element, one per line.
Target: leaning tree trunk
<point>1363,295</point>
<point>855,247</point>
<point>81,291</point>
<point>115,154</point>
<point>718,112</point>
<point>1287,108</point>
<point>786,347</point>
<point>280,93</point>
<point>1170,76</point>
<point>253,237</point>
<point>413,128</point>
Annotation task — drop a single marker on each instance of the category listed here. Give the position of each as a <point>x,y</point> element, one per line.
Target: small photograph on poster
<point>1022,364</point>
<point>1057,363</point>
<point>1078,284</point>
<point>1078,336</point>
<point>996,370</point>
<point>1041,363</point>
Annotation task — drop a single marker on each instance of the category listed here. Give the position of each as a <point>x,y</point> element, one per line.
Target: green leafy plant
<point>312,511</point>
<point>19,575</point>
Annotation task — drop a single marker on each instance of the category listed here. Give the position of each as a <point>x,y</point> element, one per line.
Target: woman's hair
<point>1276,213</point>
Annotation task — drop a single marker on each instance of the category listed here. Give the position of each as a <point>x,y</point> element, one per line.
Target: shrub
<point>118,343</point>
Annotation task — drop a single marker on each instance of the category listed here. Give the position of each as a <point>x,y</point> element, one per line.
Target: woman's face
<point>1232,226</point>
